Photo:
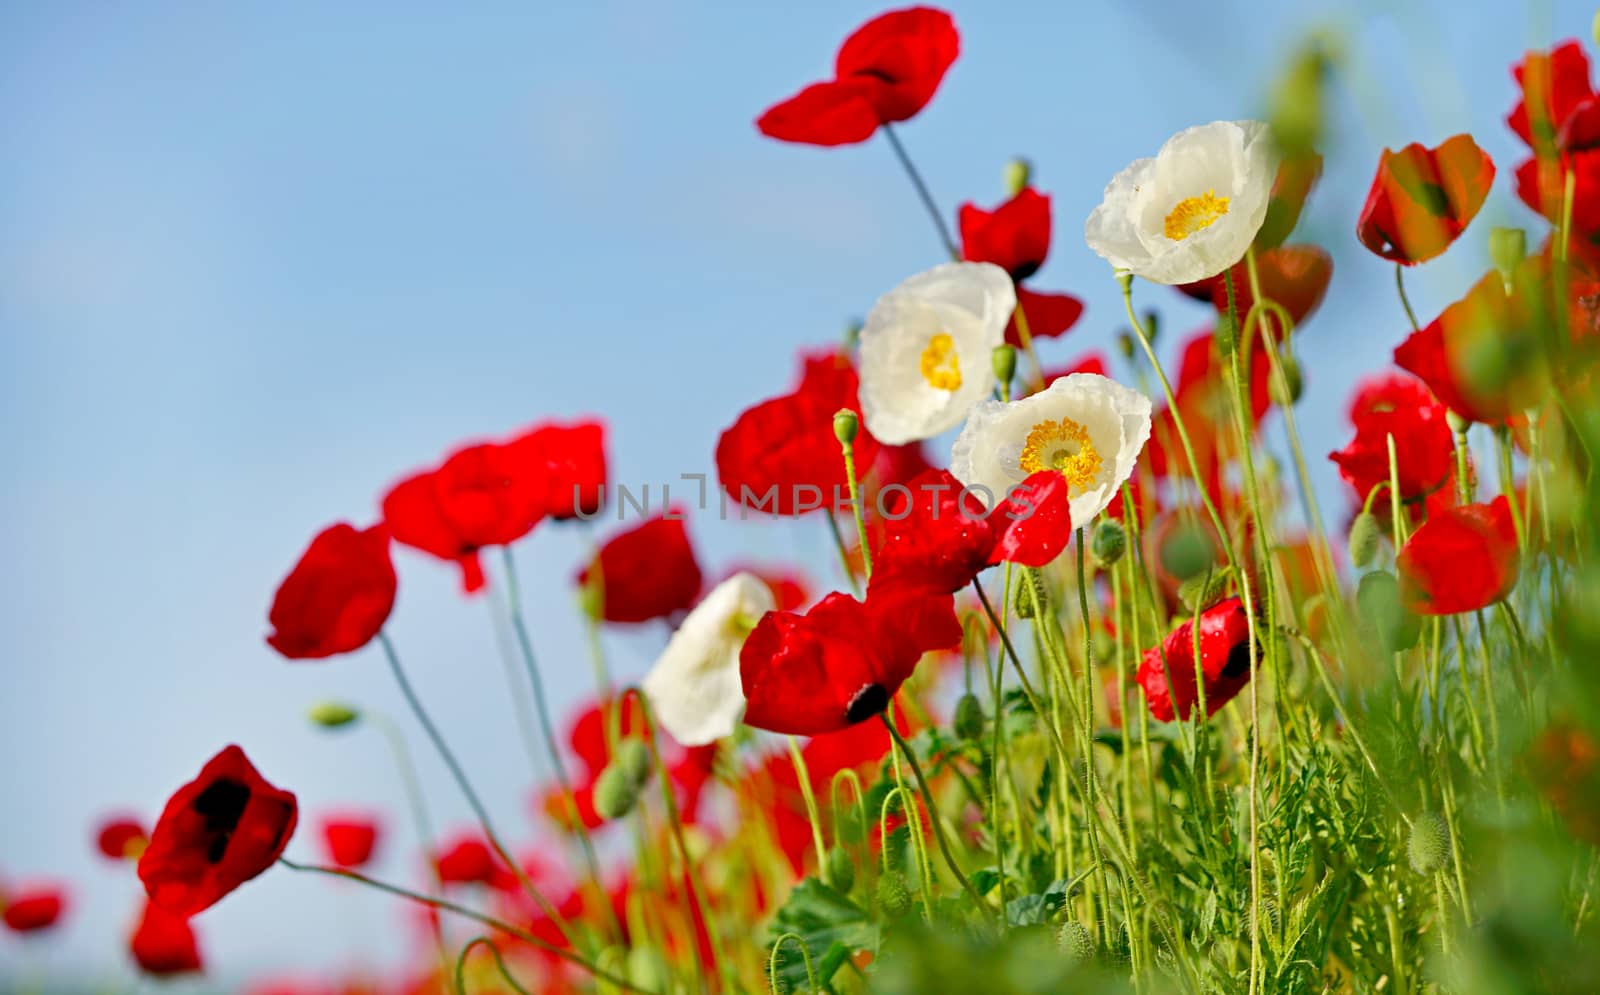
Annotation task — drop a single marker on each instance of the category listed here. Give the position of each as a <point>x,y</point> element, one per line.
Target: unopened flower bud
<point>1507,247</point>
<point>633,757</point>
<point>1458,424</point>
<point>1364,535</point>
<point>1019,173</point>
<point>1004,362</point>
<point>1109,542</point>
<point>893,897</point>
<point>1031,593</point>
<point>1429,845</point>
<point>968,723</point>
<point>839,872</point>
<point>1152,326</point>
<point>617,789</point>
<point>845,424</point>
<point>1075,942</point>
<point>1286,393</point>
<point>1125,344</point>
<point>332,714</point>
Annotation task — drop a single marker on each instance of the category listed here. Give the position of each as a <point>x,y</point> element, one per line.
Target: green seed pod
<point>1125,344</point>
<point>1364,534</point>
<point>614,794</point>
<point>1507,248</point>
<point>1030,590</point>
<point>893,897</point>
<point>1458,423</point>
<point>839,872</point>
<point>1152,324</point>
<point>633,759</point>
<point>1019,173</point>
<point>969,720</point>
<point>1109,542</point>
<point>1075,942</point>
<point>845,425</point>
<point>1429,846</point>
<point>1292,380</point>
<point>1004,361</point>
<point>332,714</point>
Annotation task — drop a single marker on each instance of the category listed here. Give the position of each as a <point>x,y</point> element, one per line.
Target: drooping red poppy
<point>1015,236</point>
<point>841,662</point>
<point>482,495</point>
<point>122,838</point>
<point>781,457</point>
<point>571,458</point>
<point>349,840</point>
<point>647,572</point>
<point>940,541</point>
<point>1295,276</point>
<point>467,859</point>
<point>885,72</point>
<point>337,597</point>
<point>1224,663</point>
<point>1461,559</point>
<point>216,832</point>
<point>1401,406</point>
<point>164,944</point>
<point>33,908</point>
<point>1422,199</point>
<point>1551,86</point>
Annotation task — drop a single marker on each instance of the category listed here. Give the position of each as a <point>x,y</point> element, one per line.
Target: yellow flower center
<point>1065,446</point>
<point>940,365</point>
<point>1191,214</point>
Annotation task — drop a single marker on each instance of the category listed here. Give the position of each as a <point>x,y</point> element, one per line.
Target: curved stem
<point>922,192</point>
<point>933,812</point>
<point>499,962</point>
<point>1405,302</point>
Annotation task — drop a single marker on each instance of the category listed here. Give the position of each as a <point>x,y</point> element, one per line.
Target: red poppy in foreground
<point>1403,407</point>
<point>841,662</point>
<point>1422,199</point>
<point>34,908</point>
<point>337,597</point>
<point>483,495</point>
<point>349,840</point>
<point>646,572</point>
<point>941,542</point>
<point>164,944</point>
<point>467,860</point>
<point>1460,560</point>
<point>885,72</point>
<point>571,459</point>
<point>216,832</point>
<point>781,456</point>
<point>122,838</point>
<point>1224,662</point>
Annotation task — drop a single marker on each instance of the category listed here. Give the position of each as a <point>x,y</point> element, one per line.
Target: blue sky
<point>257,261</point>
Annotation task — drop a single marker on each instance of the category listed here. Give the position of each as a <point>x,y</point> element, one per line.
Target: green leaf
<point>831,926</point>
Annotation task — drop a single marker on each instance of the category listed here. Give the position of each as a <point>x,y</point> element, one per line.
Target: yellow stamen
<point>940,365</point>
<point>1191,214</point>
<point>1065,446</point>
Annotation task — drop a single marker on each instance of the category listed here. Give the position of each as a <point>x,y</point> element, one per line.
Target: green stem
<point>922,192</point>
<point>933,812</point>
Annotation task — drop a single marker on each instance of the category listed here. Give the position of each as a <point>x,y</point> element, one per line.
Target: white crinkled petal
<point>694,686</point>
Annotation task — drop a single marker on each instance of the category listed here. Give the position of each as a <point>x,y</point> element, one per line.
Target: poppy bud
<point>1383,615</point>
<point>1004,361</point>
<point>1204,590</point>
<point>332,714</point>
<point>1287,393</point>
<point>968,722</point>
<point>1019,173</point>
<point>1125,344</point>
<point>1458,424</point>
<point>1075,942</point>
<point>845,424</point>
<point>1429,845</point>
<point>1152,324</point>
<point>839,872</point>
<point>1507,248</point>
<point>1109,542</point>
<point>1296,112</point>
<point>1030,592</point>
<point>1364,534</point>
<point>616,790</point>
<point>893,897</point>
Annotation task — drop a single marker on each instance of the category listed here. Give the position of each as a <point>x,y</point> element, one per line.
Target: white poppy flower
<point>926,349</point>
<point>1193,210</point>
<point>694,686</point>
<point>1089,427</point>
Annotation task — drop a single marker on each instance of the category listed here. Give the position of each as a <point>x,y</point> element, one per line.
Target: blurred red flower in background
<point>164,944</point>
<point>647,572</point>
<point>33,908</point>
<point>571,459</point>
<point>337,597</point>
<point>349,840</point>
<point>216,832</point>
<point>1422,199</point>
<point>466,859</point>
<point>121,838</point>
<point>1224,662</point>
<point>1295,276</point>
<point>885,72</point>
<point>1461,559</point>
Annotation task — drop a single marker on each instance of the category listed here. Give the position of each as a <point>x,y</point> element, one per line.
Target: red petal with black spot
<point>164,944</point>
<point>1422,199</point>
<point>217,832</point>
<point>646,572</point>
<point>349,840</point>
<point>1014,236</point>
<point>1224,663</point>
<point>1461,559</point>
<point>337,597</point>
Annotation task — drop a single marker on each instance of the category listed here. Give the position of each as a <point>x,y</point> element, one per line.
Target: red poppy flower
<point>122,838</point>
<point>483,495</point>
<point>1460,560</point>
<point>1047,315</point>
<point>646,572</point>
<point>216,832</point>
<point>33,908</point>
<point>572,461</point>
<point>1552,86</point>
<point>467,860</point>
<point>1224,662</point>
<point>337,597</point>
<point>885,72</point>
<point>1014,236</point>
<point>164,944</point>
<point>349,840</point>
<point>1403,407</point>
<point>1422,199</point>
<point>1290,190</point>
<point>940,542</point>
<point>781,456</point>
<point>1295,276</point>
<point>841,662</point>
